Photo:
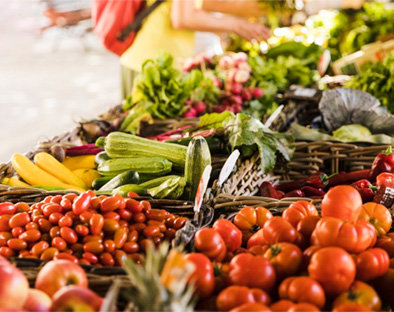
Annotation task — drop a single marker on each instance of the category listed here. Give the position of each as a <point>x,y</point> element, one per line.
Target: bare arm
<point>245,8</point>
<point>184,15</point>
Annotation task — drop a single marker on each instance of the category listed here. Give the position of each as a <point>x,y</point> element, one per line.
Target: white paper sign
<point>202,187</point>
<point>228,167</point>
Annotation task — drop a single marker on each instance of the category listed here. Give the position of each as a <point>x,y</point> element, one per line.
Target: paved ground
<point>50,82</point>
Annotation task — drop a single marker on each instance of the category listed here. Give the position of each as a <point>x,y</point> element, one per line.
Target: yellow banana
<point>87,175</point>
<point>80,162</point>
<point>14,182</point>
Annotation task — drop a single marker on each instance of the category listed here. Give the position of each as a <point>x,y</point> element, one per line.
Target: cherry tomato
<point>22,207</point>
<point>49,253</point>
<point>112,215</point>
<point>48,209</point>
<point>93,247</point>
<point>82,202</point>
<point>132,236</point>
<point>354,238</point>
<point>56,199</point>
<point>230,234</point>
<point>277,230</point>
<point>203,277</point>
<point>157,214</point>
<point>109,204</point>
<point>19,219</point>
<point>85,217</point>
<point>360,293</point>
<point>120,257</point>
<point>92,238</point>
<point>151,231</point>
<point>95,203</point>
<point>31,226</point>
<point>96,224</point>
<point>133,205</point>
<point>66,204</point>
<point>343,202</point>
<point>55,217</point>
<point>7,208</point>
<point>371,264</point>
<point>31,236</point>
<point>378,215</point>
<point>146,206</point>
<point>4,237</point>
<point>17,244</point>
<point>302,289</point>
<point>125,214</point>
<point>16,231</point>
<point>107,259</point>
<point>109,245</point>
<point>55,231</point>
<point>252,271</point>
<point>170,234</point>
<point>139,227</point>
<point>59,243</point>
<point>110,226</point>
<point>209,242</point>
<point>38,248</point>
<point>120,237</point>
<point>65,221</point>
<point>303,306</point>
<point>82,230</point>
<point>92,258</point>
<point>4,223</point>
<point>139,217</point>
<point>179,222</point>
<point>333,268</point>
<point>6,252</point>
<point>131,247</point>
<point>68,235</point>
<point>66,256</point>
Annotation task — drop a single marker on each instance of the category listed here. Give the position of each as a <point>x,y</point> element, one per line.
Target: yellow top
<point>155,35</point>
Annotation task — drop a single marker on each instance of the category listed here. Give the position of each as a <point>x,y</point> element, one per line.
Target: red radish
<point>188,64</point>
<point>236,88</point>
<point>236,99</point>
<point>257,92</point>
<point>200,107</point>
<point>240,57</point>
<point>245,66</point>
<point>246,95</point>
<point>192,112</point>
<point>242,76</point>
<point>226,62</point>
<point>237,108</point>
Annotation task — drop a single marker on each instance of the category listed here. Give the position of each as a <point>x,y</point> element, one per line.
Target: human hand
<point>250,31</point>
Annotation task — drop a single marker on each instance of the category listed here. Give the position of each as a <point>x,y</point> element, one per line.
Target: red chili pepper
<point>385,179</point>
<point>317,180</point>
<point>311,191</point>
<point>366,189</point>
<point>348,177</point>
<point>292,185</point>
<point>383,162</point>
<point>268,190</point>
<point>295,193</point>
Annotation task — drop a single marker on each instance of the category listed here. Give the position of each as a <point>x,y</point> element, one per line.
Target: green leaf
<point>213,120</point>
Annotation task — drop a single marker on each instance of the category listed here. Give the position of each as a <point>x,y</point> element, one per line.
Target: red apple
<point>76,298</point>
<point>14,286</point>
<point>59,273</point>
<point>38,301</point>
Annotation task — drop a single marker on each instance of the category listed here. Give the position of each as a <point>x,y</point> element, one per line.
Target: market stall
<point>254,180</point>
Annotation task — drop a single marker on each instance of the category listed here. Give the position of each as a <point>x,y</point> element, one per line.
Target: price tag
<point>324,62</point>
<point>274,115</point>
<point>228,167</point>
<point>305,92</point>
<point>202,187</point>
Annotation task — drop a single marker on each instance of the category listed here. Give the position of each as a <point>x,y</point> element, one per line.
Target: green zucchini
<point>127,177</point>
<point>100,158</point>
<point>157,181</point>
<point>215,144</point>
<point>171,188</point>
<point>150,165</point>
<point>125,189</point>
<point>197,158</point>
<point>99,182</point>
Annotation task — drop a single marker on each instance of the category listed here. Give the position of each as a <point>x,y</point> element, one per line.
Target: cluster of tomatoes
<point>85,228</point>
<point>341,259</point>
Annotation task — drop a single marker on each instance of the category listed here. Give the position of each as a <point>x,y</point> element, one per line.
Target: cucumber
<point>198,157</point>
<point>100,158</point>
<point>215,144</point>
<point>125,189</point>
<point>99,182</point>
<point>127,177</point>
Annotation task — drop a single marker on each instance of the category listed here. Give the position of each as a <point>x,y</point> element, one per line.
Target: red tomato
<point>30,236</point>
<point>93,247</point>
<point>333,268</point>
<point>234,296</point>
<point>7,252</point>
<point>371,264</point>
<point>82,230</point>
<point>17,231</point>
<point>125,214</point>
<point>302,307</point>
<point>151,231</point>
<point>82,202</point>
<point>302,289</point>
<point>354,238</point>
<point>110,204</point>
<point>282,305</point>
<point>68,235</point>
<point>133,205</point>
<point>285,257</point>
<point>109,245</point>
<point>110,226</point>
<point>307,225</point>
<point>360,293</point>
<point>209,242</point>
<point>17,244</point>
<point>257,239</point>
<point>231,235</point>
<point>278,230</point>
<point>120,238</point>
<point>65,221</point>
<point>249,220</point>
<point>7,208</point>
<point>4,237</point>
<point>22,207</point>
<point>4,223</point>
<point>350,307</point>
<point>96,223</point>
<point>378,215</point>
<point>49,253</point>
<point>39,247</point>
<point>252,271</point>
<point>107,259</point>
<point>203,278</point>
<point>66,256</point>
<point>307,255</point>
<point>343,202</point>
<point>384,285</point>
<point>44,225</point>
<point>298,211</point>
<point>59,243</point>
<point>386,242</point>
<point>258,307</point>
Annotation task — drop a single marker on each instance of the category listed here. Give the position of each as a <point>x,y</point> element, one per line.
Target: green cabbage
<point>351,133</point>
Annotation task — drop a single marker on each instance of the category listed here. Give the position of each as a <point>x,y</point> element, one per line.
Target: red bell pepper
<point>366,189</point>
<point>383,162</point>
<point>311,191</point>
<point>317,180</point>
<point>385,179</point>
<point>268,190</point>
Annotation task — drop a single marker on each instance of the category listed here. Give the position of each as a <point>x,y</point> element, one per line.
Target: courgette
<point>157,181</point>
<point>171,188</point>
<point>150,165</point>
<point>100,158</point>
<point>99,182</point>
<point>124,145</point>
<point>197,158</point>
<point>127,177</point>
<point>215,144</point>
